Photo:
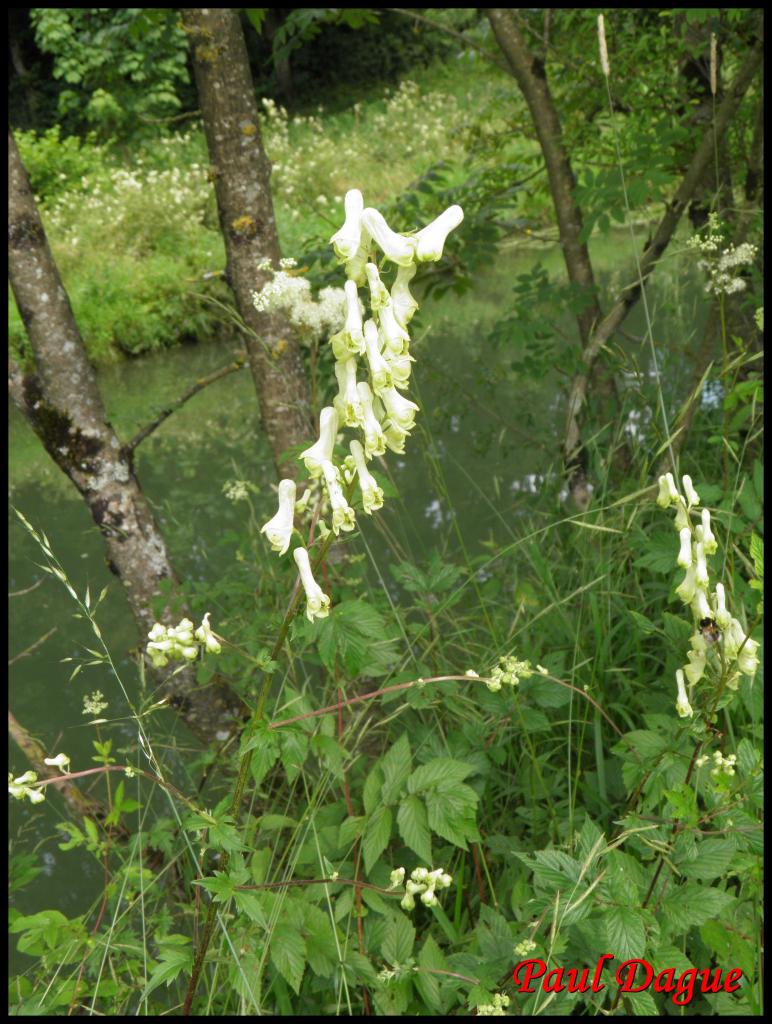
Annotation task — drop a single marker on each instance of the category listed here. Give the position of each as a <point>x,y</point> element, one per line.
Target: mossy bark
<point>61,401</point>
<point>241,173</point>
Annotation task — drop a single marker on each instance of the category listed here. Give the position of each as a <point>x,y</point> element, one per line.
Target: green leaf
<point>694,904</point>
<point>377,835</point>
<point>714,858</point>
<point>398,940</point>
<point>396,765</point>
<point>288,954</point>
<point>430,959</point>
<point>625,932</point>
<point>442,772</point>
<point>413,827</point>
<point>371,791</point>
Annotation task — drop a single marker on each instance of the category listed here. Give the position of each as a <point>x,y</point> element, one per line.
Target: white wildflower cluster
<point>422,883</point>
<point>374,406</point>
<point>716,629</point>
<point>496,1008</point>
<point>290,292</point>
<point>721,262</point>
<point>508,672</point>
<point>721,765</point>
<point>94,703</point>
<point>181,643</point>
<point>525,947</point>
<point>236,490</point>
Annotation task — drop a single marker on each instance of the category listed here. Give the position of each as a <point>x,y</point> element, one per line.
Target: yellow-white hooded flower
<point>431,239</point>
<point>349,341</point>
<point>394,338</point>
<point>375,443</point>
<point>701,605</point>
<point>700,564</point>
<point>380,374</point>
<point>347,239</point>
<point>20,787</point>
<point>692,497</point>
<point>402,301</point>
<point>372,495</point>
<point>398,248</point>
<point>685,553</point>
<point>379,293</point>
<point>205,636</point>
<point>60,761</point>
<point>401,411</point>
<point>668,492</point>
<point>708,540</point>
<point>400,367</point>
<point>317,602</point>
<point>695,670</point>
<point>395,439</point>
<point>723,618</point>
<point>343,516</point>
<point>348,402</point>
<point>321,452</point>
<point>279,529</point>
<point>683,707</point>
<point>688,586</point>
<point>747,659</point>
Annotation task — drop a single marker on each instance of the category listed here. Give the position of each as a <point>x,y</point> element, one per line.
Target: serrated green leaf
<point>288,954</point>
<point>376,835</point>
<point>625,932</point>
<point>396,765</point>
<point>398,941</point>
<point>414,828</point>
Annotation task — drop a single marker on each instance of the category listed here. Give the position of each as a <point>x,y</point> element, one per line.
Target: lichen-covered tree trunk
<point>61,401</point>
<point>241,173</point>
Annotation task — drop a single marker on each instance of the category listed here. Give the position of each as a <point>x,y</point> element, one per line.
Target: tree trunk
<point>61,402</point>
<point>241,173</point>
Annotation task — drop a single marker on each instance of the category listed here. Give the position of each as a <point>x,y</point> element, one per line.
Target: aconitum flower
<point>21,786</point>
<point>723,618</point>
<point>685,553</point>
<point>348,401</point>
<point>396,878</point>
<point>372,495</point>
<point>692,496</point>
<point>668,492</point>
<point>346,240</point>
<point>394,337</point>
<point>205,635</point>
<point>402,301</point>
<point>431,239</point>
<point>701,605</point>
<point>317,602</point>
<point>700,564</point>
<point>397,248</point>
<point>683,707</point>
<point>375,443</point>
<point>708,540</point>
<point>60,761</point>
<point>380,374</point>
<point>395,439</point>
<point>279,529</point>
<point>401,368</point>
<point>695,670</point>
<point>321,452</point>
<point>379,293</point>
<point>343,516</point>
<point>401,410</point>
<point>349,341</point>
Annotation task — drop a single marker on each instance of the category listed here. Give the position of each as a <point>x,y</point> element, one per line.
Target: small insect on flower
<point>710,631</point>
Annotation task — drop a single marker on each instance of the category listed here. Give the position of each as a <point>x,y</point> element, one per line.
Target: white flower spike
<point>403,303</point>
<point>668,492</point>
<point>348,401</point>
<point>60,761</point>
<point>692,496</point>
<point>379,293</point>
<point>708,540</point>
<point>685,553</point>
<point>393,336</point>
<point>205,635</point>
<point>375,443</point>
<point>349,341</point>
<point>401,410</point>
<point>279,529</point>
<point>321,452</point>
<point>317,602</point>
<point>431,239</point>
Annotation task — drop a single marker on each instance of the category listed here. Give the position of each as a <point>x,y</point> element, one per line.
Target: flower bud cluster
<point>181,643</point>
<point>723,765</point>
<point>525,947</point>
<point>496,1008</point>
<point>716,628</point>
<point>381,344</point>
<point>508,672</point>
<point>422,883</point>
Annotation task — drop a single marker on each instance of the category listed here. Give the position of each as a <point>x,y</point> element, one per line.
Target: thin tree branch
<point>194,389</point>
<point>27,590</point>
<point>40,640</point>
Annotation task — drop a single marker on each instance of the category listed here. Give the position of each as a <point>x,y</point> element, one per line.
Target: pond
<point>488,437</point>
